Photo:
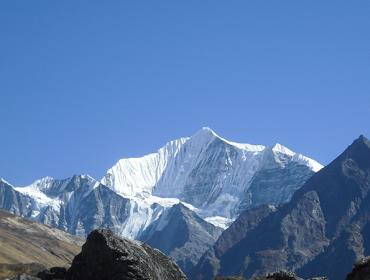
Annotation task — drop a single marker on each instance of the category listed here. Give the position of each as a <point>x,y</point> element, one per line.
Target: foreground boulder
<point>108,257</point>
<point>361,270</point>
<point>281,275</point>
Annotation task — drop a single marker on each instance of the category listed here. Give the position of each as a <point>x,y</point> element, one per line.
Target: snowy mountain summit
<point>211,176</point>
<point>219,178</point>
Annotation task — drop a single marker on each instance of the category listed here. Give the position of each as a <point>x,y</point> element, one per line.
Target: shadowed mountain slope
<point>323,230</point>
<point>183,235</point>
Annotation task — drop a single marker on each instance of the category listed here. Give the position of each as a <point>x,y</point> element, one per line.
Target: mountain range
<point>323,230</point>
<point>201,183</point>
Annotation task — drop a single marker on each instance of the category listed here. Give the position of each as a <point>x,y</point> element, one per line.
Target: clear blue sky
<point>84,83</point>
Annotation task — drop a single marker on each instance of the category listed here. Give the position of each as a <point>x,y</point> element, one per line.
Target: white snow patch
<point>34,192</point>
<point>219,221</point>
<point>282,149</point>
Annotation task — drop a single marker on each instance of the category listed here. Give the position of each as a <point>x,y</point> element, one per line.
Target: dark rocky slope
<point>182,235</point>
<point>321,231</point>
<point>248,220</point>
<point>107,257</point>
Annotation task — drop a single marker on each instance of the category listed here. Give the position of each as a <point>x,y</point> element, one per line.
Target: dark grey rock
<point>285,275</point>
<point>53,273</point>
<point>361,270</point>
<point>108,257</point>
<point>281,275</point>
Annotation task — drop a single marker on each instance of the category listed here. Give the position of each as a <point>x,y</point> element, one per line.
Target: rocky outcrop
<point>285,275</point>
<point>106,257</point>
<point>361,270</point>
<point>281,275</point>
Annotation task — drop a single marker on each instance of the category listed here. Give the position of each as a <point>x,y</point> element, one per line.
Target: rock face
<point>209,263</point>
<point>182,235</point>
<point>321,231</point>
<point>106,257</point>
<point>361,270</point>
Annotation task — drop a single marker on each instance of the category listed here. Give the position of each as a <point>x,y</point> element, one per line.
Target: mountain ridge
<point>214,178</point>
<point>325,225</point>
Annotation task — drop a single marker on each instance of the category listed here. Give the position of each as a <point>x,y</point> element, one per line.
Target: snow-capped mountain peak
<point>207,130</point>
<point>205,170</point>
<point>41,184</point>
